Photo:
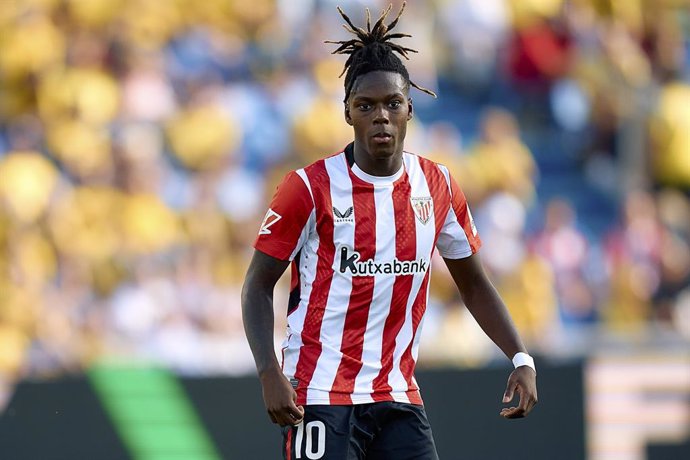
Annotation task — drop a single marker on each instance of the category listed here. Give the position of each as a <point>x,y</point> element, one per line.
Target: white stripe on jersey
<point>303,174</point>
<point>453,238</point>
<point>311,222</point>
<point>308,260</point>
<point>339,295</point>
<point>304,236</point>
<point>381,299</point>
<point>446,174</point>
<point>452,231</point>
<point>417,339</point>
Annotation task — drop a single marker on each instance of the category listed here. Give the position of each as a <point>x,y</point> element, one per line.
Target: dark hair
<point>372,50</point>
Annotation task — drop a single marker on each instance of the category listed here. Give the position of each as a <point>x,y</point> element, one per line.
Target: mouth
<point>382,138</point>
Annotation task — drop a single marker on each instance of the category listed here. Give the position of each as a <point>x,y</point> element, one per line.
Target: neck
<point>384,166</point>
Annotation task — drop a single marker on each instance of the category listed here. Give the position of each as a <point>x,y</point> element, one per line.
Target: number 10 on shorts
<point>314,436</point>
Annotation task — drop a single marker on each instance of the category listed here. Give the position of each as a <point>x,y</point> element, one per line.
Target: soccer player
<point>358,229</point>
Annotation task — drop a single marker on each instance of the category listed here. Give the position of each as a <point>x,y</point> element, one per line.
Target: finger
<point>281,416</point>
<point>296,419</point>
<point>524,400</point>
<point>528,408</point>
<point>512,413</point>
<point>290,415</point>
<point>508,410</point>
<point>284,418</point>
<point>510,391</point>
<point>294,407</point>
<point>296,412</point>
<point>531,402</point>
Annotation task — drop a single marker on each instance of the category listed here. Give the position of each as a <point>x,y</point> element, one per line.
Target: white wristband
<point>523,359</point>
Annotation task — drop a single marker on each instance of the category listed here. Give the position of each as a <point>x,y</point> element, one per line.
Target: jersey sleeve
<point>285,226</point>
<point>458,237</point>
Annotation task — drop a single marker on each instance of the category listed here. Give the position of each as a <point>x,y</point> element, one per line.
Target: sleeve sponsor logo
<point>271,218</point>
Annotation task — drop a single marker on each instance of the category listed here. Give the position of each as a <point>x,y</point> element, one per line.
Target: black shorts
<point>377,431</point>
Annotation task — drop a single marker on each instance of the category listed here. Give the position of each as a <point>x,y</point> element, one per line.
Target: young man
<point>359,229</point>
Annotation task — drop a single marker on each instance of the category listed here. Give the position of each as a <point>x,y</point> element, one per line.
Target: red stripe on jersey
<point>462,214</point>
<point>294,276</point>
<point>311,331</point>
<point>288,444</point>
<point>438,187</point>
<point>407,362</point>
<point>405,249</point>
<point>361,295</point>
<point>289,212</point>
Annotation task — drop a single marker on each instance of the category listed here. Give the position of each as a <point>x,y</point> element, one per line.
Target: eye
<point>363,107</point>
<point>395,104</point>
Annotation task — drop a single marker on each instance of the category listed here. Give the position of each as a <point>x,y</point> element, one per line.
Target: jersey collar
<point>375,180</point>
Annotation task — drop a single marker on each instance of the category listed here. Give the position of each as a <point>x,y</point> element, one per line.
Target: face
<point>378,109</point>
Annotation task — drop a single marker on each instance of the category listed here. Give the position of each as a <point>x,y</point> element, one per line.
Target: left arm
<point>486,306</point>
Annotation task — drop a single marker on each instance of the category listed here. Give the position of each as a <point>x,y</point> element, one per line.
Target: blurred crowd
<point>140,142</point>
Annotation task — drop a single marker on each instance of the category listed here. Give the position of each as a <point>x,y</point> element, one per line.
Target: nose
<point>381,115</point>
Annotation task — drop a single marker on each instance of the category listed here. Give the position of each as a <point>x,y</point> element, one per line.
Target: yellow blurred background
<point>140,141</point>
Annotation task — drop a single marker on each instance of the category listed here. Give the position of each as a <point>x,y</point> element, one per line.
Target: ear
<point>348,118</point>
<point>410,110</point>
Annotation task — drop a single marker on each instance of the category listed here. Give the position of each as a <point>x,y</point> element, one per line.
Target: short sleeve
<point>458,237</point>
<point>284,227</point>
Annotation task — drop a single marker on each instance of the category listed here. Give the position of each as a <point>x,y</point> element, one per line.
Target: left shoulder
<point>431,168</point>
<point>422,161</point>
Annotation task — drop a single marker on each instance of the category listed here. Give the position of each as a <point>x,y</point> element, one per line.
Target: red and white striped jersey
<point>361,249</point>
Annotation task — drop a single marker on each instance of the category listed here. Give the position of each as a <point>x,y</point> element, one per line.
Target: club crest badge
<point>423,208</point>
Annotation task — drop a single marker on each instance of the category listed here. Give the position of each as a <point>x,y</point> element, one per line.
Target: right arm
<point>257,316</point>
<point>279,238</point>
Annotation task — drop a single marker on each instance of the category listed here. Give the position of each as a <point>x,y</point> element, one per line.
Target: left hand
<point>524,381</point>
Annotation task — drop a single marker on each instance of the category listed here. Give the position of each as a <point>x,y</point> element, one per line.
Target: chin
<point>382,154</point>
<point>383,151</point>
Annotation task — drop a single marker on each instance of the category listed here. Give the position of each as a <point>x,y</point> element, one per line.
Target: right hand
<point>280,399</point>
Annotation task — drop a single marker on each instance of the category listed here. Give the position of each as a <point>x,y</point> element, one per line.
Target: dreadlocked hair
<point>372,50</point>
